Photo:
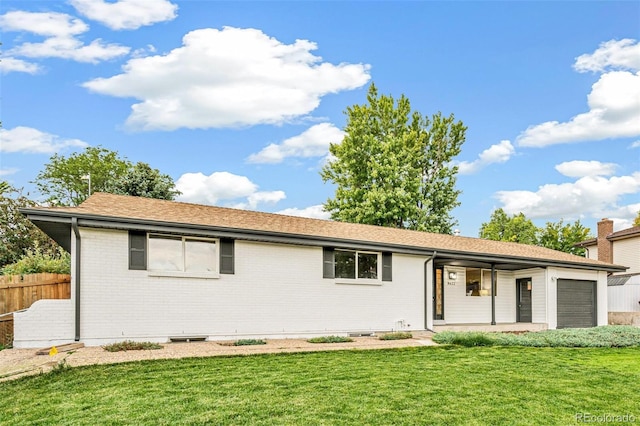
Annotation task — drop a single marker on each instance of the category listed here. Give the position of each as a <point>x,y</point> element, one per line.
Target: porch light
<point>453,275</point>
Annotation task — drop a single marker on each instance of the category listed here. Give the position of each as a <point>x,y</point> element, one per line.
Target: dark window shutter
<point>328,263</point>
<point>138,250</point>
<point>386,266</point>
<point>227,264</point>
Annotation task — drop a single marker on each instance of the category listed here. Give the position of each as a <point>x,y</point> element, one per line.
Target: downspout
<point>493,294</point>
<point>76,231</point>
<point>426,286</point>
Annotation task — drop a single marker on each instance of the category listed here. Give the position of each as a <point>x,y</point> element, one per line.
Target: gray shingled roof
<point>126,208</point>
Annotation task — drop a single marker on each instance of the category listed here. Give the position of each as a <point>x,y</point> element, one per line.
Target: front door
<point>438,295</point>
<point>523,298</point>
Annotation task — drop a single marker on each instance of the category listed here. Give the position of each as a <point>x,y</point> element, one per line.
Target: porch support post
<point>493,294</point>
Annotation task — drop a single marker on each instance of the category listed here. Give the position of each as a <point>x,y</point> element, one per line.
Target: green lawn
<point>425,385</point>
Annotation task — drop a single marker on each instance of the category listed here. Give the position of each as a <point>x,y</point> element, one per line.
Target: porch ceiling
<point>485,264</point>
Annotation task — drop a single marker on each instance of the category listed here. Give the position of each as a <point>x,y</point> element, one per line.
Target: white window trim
<point>186,274</point>
<point>363,281</point>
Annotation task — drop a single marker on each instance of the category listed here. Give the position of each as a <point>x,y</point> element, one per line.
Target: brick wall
<point>605,248</point>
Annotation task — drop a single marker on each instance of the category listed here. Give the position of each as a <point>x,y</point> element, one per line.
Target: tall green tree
<point>143,181</point>
<point>65,180</point>
<point>17,234</point>
<point>393,167</point>
<point>563,237</point>
<point>68,180</point>
<point>516,228</point>
<point>636,221</point>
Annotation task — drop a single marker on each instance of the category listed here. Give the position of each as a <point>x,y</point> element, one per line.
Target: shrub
<point>330,339</point>
<point>249,342</point>
<point>129,345</point>
<point>60,367</point>
<point>396,336</point>
<point>473,339</point>
<point>609,336</point>
<point>35,262</point>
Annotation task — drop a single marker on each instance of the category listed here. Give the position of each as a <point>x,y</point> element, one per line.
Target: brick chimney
<point>605,247</point>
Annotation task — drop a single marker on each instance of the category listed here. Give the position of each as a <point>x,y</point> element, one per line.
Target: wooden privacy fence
<point>21,291</point>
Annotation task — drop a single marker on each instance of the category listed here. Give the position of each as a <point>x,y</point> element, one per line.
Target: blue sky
<point>238,101</point>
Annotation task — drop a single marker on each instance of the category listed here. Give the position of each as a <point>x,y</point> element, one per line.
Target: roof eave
<point>41,216</point>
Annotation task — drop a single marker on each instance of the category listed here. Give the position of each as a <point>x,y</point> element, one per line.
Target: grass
<point>129,345</point>
<point>418,385</point>
<point>330,339</point>
<point>612,336</point>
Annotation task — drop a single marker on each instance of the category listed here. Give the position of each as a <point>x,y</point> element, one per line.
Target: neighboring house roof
<point>587,243</point>
<point>634,231</point>
<point>622,279</point>
<point>125,212</point>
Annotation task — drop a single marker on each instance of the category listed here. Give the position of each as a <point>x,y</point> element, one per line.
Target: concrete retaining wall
<point>624,318</point>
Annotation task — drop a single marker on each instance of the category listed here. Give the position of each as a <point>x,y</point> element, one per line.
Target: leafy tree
<point>516,228</point>
<point>519,229</point>
<point>636,221</point>
<point>17,234</point>
<point>64,180</point>
<point>393,166</point>
<point>143,181</point>
<point>4,187</point>
<point>562,237</point>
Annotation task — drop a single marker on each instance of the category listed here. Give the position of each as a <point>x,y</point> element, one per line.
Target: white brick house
<point>152,270</point>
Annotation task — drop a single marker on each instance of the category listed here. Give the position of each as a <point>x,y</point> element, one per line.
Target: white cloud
<point>314,212</point>
<point>47,24</point>
<point>8,65</point>
<point>9,171</point>
<point>623,216</point>
<point>635,144</point>
<point>126,14</point>
<point>497,153</point>
<point>228,78</point>
<point>589,195</point>
<point>224,186</point>
<point>614,112</point>
<point>30,140</point>
<point>60,31</point>
<point>262,197</point>
<point>616,54</point>
<point>614,101</point>
<point>313,142</point>
<point>71,48</point>
<point>586,168</point>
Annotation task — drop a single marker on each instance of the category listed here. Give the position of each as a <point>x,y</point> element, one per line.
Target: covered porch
<point>476,293</point>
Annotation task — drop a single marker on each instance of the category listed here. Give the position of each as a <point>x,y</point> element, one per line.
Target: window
<point>180,255</point>
<point>479,282</point>
<point>356,265</point>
